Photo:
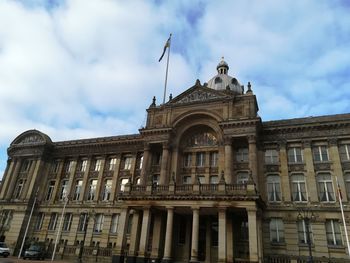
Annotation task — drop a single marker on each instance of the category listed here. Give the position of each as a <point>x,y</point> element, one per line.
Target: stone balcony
<point>221,191</point>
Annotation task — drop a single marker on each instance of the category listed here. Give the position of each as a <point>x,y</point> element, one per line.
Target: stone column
<point>222,253</point>
<point>122,225</point>
<point>228,160</point>
<point>310,177</point>
<point>7,177</point>
<point>253,235</point>
<point>134,237</point>
<point>253,161</point>
<point>13,179</point>
<point>168,236</point>
<point>284,172</point>
<point>164,164</point>
<point>337,168</point>
<point>195,232</point>
<point>145,164</point>
<point>146,221</point>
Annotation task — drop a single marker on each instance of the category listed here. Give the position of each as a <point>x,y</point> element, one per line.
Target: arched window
<point>218,80</point>
<point>274,188</point>
<point>202,139</point>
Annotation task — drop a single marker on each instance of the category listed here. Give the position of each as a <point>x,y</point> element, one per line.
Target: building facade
<point>206,180</point>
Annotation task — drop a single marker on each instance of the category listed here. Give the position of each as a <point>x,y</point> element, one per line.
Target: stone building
<point>206,180</point>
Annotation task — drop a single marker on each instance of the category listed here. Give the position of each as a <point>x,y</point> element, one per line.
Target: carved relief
<point>271,168</point>
<point>296,167</point>
<point>198,95</point>
<point>241,166</point>
<point>32,139</point>
<point>158,120</point>
<point>322,166</point>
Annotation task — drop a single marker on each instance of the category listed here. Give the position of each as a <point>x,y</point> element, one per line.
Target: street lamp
<point>304,214</point>
<point>82,243</point>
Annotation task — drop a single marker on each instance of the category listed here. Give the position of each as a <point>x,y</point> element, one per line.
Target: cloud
<point>77,69</point>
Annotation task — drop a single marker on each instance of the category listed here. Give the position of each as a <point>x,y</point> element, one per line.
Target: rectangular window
<point>188,160</point>
<point>299,188</point>
<point>54,167</point>
<point>92,190</point>
<point>320,153</point>
<point>83,221</point>
<point>63,190</point>
<point>77,190</point>
<point>18,189</point>
<point>214,157</point>
<point>242,177</point>
<point>53,221</point>
<point>156,158</point>
<point>242,155</point>
<point>68,167</point>
<point>155,179</point>
<point>271,156</point>
<point>200,159</point>
<point>333,232</point>
<point>214,179</point>
<point>98,163</point>
<point>295,155</point>
<point>276,230</point>
<point>5,218</point>
<point>129,227</point>
<point>50,189</point>
<point>123,182</point>
<point>141,162</point>
<point>83,165</point>
<point>26,165</point>
<point>325,188</point>
<point>114,223</point>
<point>344,151</point>
<point>302,232</point>
<point>201,179</point>
<point>107,189</point>
<point>112,163</point>
<point>273,188</point>
<point>39,222</point>
<point>244,232</point>
<point>187,180</point>
<point>127,163</point>
<point>67,222</point>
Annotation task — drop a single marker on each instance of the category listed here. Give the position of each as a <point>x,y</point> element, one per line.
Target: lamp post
<point>82,243</point>
<point>304,214</point>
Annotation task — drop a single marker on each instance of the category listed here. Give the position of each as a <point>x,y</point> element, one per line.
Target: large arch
<point>31,137</point>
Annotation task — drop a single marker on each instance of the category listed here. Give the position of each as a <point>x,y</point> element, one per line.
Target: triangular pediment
<point>197,93</point>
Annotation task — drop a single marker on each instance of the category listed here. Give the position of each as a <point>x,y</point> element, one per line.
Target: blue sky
<point>79,69</point>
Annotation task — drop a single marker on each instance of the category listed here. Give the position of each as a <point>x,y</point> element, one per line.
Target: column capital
<point>333,141</point>
<point>222,208</point>
<point>166,145</point>
<point>251,139</point>
<point>227,140</point>
<point>282,144</point>
<point>169,207</point>
<point>195,208</point>
<point>307,143</point>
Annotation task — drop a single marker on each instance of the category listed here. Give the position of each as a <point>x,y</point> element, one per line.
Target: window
<point>83,220</point>
<point>295,155</point>
<point>214,179</point>
<point>214,156</point>
<point>107,189</point>
<point>156,158</point>
<point>77,190</point>
<point>50,190</point>
<point>5,218</point>
<point>344,151</point>
<point>68,166</point>
<point>92,190</point>
<point>242,155</point>
<point>98,226</point>
<point>18,189</point>
<point>155,179</point>
<point>64,189</point>
<point>83,165</point>
<point>114,223</point>
<point>127,163</point>
<point>244,231</point>
<point>129,226</point>
<point>98,163</point>
<point>333,232</point>
<point>112,163</point>
<point>123,182</point>
<point>200,159</point>
<point>214,233</point>
<point>299,188</point>
<point>188,160</point>
<point>325,187</point>
<point>54,167</point>
<point>347,183</point>
<point>67,222</point>
<point>276,230</point>
<point>138,180</point>
<point>187,180</point>
<point>302,232</point>
<point>140,161</point>
<point>25,166</point>
<point>271,156</point>
<point>273,188</point>
<point>201,139</point>
<point>242,177</point>
<point>39,222</point>
<point>201,179</point>
<point>320,153</point>
<point>53,221</point>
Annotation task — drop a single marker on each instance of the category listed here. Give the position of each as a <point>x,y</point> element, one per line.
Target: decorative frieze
<point>296,167</point>
<point>271,168</point>
<point>322,166</point>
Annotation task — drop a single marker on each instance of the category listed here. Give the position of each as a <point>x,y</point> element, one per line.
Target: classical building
<point>206,180</point>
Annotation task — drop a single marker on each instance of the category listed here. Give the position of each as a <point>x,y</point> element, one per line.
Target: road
<point>16,260</point>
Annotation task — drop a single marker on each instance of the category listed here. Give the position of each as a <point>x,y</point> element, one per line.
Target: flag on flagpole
<point>339,191</point>
<point>167,44</point>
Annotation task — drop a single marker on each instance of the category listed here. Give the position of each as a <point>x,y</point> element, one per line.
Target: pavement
<point>12,259</point>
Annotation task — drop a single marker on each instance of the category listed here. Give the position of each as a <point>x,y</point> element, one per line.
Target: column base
<point>167,260</point>
<point>117,259</point>
<point>141,260</point>
<point>194,261</point>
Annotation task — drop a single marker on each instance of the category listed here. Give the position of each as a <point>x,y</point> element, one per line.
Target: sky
<point>89,68</point>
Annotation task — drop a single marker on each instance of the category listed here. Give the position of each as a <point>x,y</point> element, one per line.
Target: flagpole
<point>166,72</point>
<point>343,217</point>
<point>60,226</point>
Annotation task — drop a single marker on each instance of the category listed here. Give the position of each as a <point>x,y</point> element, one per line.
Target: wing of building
<point>206,180</point>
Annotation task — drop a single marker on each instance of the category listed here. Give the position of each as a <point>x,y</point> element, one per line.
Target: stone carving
<point>322,166</point>
<point>296,167</point>
<point>271,168</point>
<point>198,95</point>
<point>31,139</point>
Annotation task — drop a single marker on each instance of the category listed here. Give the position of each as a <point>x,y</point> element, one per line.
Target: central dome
<point>222,81</point>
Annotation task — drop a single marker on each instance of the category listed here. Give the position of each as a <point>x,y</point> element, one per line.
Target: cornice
<point>240,123</point>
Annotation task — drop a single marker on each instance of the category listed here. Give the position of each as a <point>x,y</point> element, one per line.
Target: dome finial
<point>222,67</point>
